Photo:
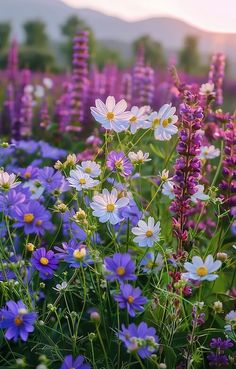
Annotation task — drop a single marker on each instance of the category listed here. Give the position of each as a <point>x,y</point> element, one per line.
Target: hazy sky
<point>213,15</point>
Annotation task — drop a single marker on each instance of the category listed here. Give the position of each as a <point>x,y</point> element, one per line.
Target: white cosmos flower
<point>163,122</point>
<point>90,167</point>
<point>80,180</point>
<point>168,189</point>
<point>231,320</point>
<point>164,175</point>
<point>146,233</point>
<point>35,188</point>
<point>111,115</point>
<point>200,270</point>
<point>48,83</point>
<point>199,195</point>
<point>106,206</point>
<point>138,118</point>
<point>39,91</point>
<point>208,152</point>
<point>8,181</point>
<point>206,88</point>
<point>139,157</point>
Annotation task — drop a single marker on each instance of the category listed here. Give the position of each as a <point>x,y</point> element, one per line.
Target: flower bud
<point>218,307</point>
<point>30,247</point>
<point>222,256</point>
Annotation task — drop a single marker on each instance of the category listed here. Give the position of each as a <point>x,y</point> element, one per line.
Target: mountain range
<point>169,31</point>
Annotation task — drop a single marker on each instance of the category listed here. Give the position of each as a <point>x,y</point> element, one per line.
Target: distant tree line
<point>38,52</point>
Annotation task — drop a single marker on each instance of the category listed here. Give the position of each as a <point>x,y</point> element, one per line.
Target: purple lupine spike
<point>228,183</point>
<point>44,119</point>
<point>187,166</point>
<point>126,88</point>
<point>147,92</point>
<point>26,113</point>
<point>63,107</point>
<point>137,77</point>
<point>12,64</point>
<point>80,81</point>
<point>216,76</point>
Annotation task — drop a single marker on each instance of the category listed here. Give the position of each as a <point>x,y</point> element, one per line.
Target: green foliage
<point>35,33</point>
<point>37,59</point>
<point>106,55</point>
<point>189,57</point>
<point>5,31</point>
<point>154,53</point>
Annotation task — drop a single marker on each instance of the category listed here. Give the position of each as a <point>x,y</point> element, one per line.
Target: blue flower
<point>78,363</point>
<point>17,320</point>
<point>130,298</point>
<point>120,267</point>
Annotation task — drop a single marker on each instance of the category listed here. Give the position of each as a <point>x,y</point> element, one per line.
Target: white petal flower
<point>208,152</point>
<point>8,181</point>
<point>139,157</point>
<point>147,233</point>
<point>48,83</point>
<point>200,270</point>
<point>39,91</point>
<point>106,206</point>
<point>138,118</point>
<point>111,115</point>
<point>90,167</point>
<point>199,195</point>
<point>164,122</point>
<point>168,189</point>
<point>231,320</point>
<point>80,180</point>
<point>206,88</point>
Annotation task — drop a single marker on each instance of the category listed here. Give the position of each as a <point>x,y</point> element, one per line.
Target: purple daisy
<point>78,363</point>
<point>45,262</point>
<point>10,201</point>
<point>130,298</point>
<point>74,253</point>
<point>33,217</point>
<point>118,162</point>
<point>29,172</point>
<point>50,179</point>
<point>120,267</point>
<point>141,339</point>
<point>17,320</point>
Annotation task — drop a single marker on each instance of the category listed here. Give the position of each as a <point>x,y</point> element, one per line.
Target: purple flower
<point>131,212</point>
<point>118,162</point>
<point>140,339</point>
<point>29,146</point>
<point>33,217</point>
<point>78,363</point>
<point>50,179</point>
<point>29,172</point>
<point>45,262</point>
<point>10,201</point>
<point>75,254</point>
<point>51,152</point>
<point>120,267</point>
<point>18,321</point>
<point>218,343</point>
<point>130,298</point>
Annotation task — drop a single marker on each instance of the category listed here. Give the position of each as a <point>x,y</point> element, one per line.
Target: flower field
<point>117,203</point>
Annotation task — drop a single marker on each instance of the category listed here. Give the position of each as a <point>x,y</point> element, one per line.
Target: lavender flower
<point>118,162</point>
<point>78,363</point>
<point>45,262</point>
<point>120,267</point>
<point>130,298</point>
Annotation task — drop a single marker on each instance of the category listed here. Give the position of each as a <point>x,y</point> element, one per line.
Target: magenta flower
<point>17,321</point>
<point>130,298</point>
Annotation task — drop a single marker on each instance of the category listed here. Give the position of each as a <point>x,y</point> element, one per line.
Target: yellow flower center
<point>149,233</point>
<point>39,222</point>
<point>166,122</point>
<point>110,115</point>
<point>18,320</point>
<point>44,261</point>
<point>233,322</point>
<point>28,218</point>
<point>155,122</point>
<point>82,181</point>
<point>88,170</point>
<point>27,175</point>
<point>110,207</point>
<point>150,264</point>
<point>202,271</point>
<point>130,299</point>
<point>133,119</point>
<point>119,164</point>
<point>120,270</point>
<point>79,254</point>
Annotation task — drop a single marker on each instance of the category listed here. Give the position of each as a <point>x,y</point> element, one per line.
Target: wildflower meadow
<point>117,203</point>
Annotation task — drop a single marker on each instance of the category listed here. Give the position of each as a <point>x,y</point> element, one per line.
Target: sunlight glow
<point>211,15</point>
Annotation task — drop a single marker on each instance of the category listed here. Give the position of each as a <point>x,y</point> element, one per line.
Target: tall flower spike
<point>187,166</point>
<point>80,80</point>
<point>216,76</point>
